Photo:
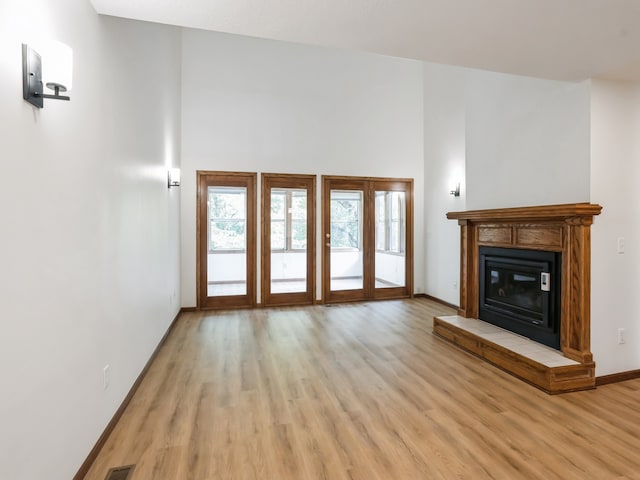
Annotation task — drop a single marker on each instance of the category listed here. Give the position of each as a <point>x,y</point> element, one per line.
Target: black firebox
<point>520,291</point>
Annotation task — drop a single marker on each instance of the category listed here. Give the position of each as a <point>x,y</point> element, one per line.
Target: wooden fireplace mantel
<point>551,213</point>
<point>557,228</point>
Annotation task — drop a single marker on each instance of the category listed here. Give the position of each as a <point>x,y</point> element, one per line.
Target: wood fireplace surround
<point>556,228</point>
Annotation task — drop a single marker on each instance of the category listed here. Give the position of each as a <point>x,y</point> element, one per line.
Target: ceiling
<point>556,39</point>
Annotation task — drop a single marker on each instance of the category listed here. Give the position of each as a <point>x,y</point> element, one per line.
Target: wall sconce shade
<point>456,191</point>
<point>59,62</point>
<point>174,177</point>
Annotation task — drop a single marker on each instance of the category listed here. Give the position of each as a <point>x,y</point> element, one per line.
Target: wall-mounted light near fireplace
<point>53,69</point>
<point>456,190</point>
<point>174,177</point>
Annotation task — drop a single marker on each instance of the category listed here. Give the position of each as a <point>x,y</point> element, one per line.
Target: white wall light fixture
<point>174,177</point>
<point>53,69</point>
<point>456,191</point>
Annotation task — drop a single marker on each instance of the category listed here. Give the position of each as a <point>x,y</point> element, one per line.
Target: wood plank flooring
<point>357,391</point>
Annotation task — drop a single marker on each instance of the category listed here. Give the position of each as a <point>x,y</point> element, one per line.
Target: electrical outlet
<point>105,377</point>
<point>620,245</point>
<point>620,336</point>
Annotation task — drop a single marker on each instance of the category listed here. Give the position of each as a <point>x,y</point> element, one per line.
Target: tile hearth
<point>542,366</point>
<point>510,341</point>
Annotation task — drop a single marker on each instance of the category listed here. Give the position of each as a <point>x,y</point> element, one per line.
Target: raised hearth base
<point>536,364</point>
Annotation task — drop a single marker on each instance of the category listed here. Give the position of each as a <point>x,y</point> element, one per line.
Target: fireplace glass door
<point>520,291</point>
<point>515,288</point>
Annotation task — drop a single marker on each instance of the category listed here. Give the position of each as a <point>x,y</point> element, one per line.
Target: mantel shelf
<point>538,213</point>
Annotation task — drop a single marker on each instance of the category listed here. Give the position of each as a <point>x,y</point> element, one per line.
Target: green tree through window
<point>346,214</point>
<point>227,219</point>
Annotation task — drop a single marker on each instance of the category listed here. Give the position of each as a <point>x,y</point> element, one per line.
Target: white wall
<point>347,264</point>
<point>289,265</point>
<point>615,278</point>
<point>390,268</point>
<point>527,141</point>
<point>89,237</point>
<point>444,154</point>
<point>226,267</point>
<point>265,106</point>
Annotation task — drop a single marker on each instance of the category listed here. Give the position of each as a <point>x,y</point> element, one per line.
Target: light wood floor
<point>362,391</point>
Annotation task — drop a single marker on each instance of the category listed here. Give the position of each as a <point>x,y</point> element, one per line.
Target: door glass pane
<point>346,240</point>
<point>227,241</point>
<point>278,217</point>
<point>390,239</point>
<point>288,240</point>
<point>381,219</point>
<point>299,220</point>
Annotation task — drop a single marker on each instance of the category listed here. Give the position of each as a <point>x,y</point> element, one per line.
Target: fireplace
<point>561,235</point>
<point>520,291</point>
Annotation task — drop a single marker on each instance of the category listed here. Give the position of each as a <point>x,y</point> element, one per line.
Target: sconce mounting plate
<point>32,77</point>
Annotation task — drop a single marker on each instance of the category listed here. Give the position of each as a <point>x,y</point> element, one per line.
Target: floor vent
<point>120,473</point>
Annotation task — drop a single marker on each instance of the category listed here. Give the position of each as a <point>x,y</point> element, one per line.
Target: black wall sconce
<point>173,177</point>
<point>456,191</point>
<point>59,66</point>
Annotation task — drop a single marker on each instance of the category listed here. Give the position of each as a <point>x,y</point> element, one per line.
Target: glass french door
<point>345,242</point>
<point>288,239</point>
<point>226,239</point>
<point>367,238</point>
<point>393,235</point>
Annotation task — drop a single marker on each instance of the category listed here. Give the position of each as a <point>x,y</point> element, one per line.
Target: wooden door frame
<point>206,179</point>
<point>345,183</point>
<point>398,185</point>
<point>282,180</point>
<point>368,186</point>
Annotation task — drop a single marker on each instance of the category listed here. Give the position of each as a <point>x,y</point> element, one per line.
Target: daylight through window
<point>227,219</point>
<point>390,222</point>
<point>346,218</point>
